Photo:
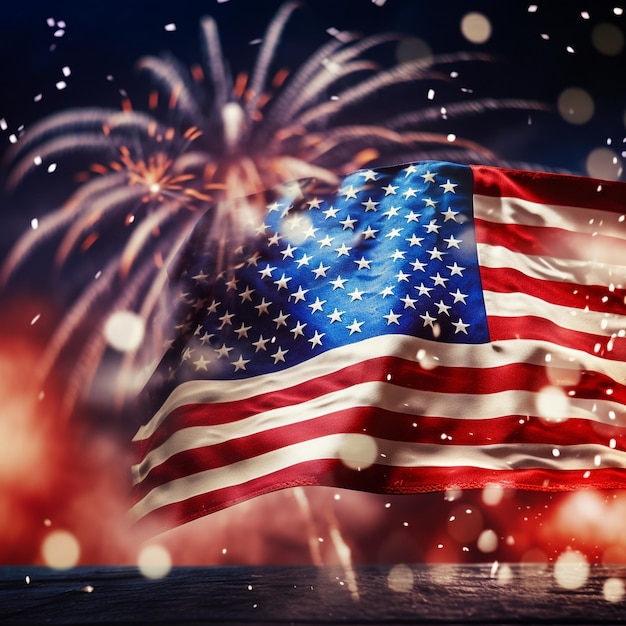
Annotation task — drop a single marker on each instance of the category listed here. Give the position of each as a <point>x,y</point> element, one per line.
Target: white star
<point>263,307</point>
<point>260,343</point>
<point>266,272</point>
<point>392,318</point>
<point>393,212</point>
<point>455,269</point>
<point>348,223</point>
<point>297,330</point>
<point>442,308</point>
<point>368,175</point>
<point>387,291</point>
<point>401,276</point>
<point>288,251</point>
<point>439,280</point>
<point>212,308</point>
<point>348,193</point>
<point>390,190</point>
<point>429,177</point>
<point>410,193</point>
<point>423,291</point>
<point>356,295</point>
<point>316,340</point>
<point>200,277</point>
<point>309,233</point>
<point>448,187</point>
<point>201,364</point>
<point>314,203</point>
<point>279,355</point>
<point>370,205</point>
<point>449,214</point>
<point>205,338</point>
<point>281,283</point>
<point>273,240</point>
<point>186,355</point>
<point>326,241</point>
<point>414,240</point>
<point>281,320</point>
<point>253,259</point>
<point>398,254</point>
<point>412,217</point>
<point>363,263</point>
<point>430,202</point>
<point>460,327</point>
<point>332,212</point>
<point>432,227</point>
<point>408,302</point>
<point>343,250</point>
<point>355,327</point>
<point>409,170</point>
<point>242,331</point>
<point>246,294</point>
<point>231,284</point>
<point>370,233</point>
<point>418,265</point>
<point>317,305</point>
<point>335,316</point>
<point>240,363</point>
<point>223,351</point>
<point>395,232</point>
<point>226,319</point>
<point>428,320</point>
<point>260,230</point>
<point>304,260</point>
<point>321,270</point>
<point>459,297</point>
<point>298,295</point>
<point>273,207</point>
<point>435,254</point>
<point>453,242</point>
<point>338,283</point>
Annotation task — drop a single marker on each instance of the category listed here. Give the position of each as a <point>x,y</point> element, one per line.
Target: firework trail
<point>206,142</point>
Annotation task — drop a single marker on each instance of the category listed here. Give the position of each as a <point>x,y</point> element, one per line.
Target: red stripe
<point>381,479</point>
<point>383,425</point>
<point>408,374</point>
<point>595,298</point>
<point>541,329</point>
<point>551,242</point>
<point>554,189</point>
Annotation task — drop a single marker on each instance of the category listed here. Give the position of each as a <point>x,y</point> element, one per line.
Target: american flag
<point>420,327</point>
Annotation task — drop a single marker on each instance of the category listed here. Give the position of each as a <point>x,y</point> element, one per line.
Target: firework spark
<point>207,138</point>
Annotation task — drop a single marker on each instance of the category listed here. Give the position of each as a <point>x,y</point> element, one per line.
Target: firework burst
<point>206,139</point>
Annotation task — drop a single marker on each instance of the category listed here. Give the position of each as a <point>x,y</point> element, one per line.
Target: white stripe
<point>552,268</point>
<point>519,304</point>
<point>430,353</point>
<point>528,213</point>
<point>386,397</point>
<point>389,453</point>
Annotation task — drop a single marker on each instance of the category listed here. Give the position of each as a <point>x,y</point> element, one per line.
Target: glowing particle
<point>388,505</point>
<point>379,3</point>
<point>12,138</point>
<point>38,97</point>
<point>570,49</point>
<point>61,85</point>
<point>87,589</point>
<point>492,494</point>
<point>575,105</point>
<point>571,569</point>
<point>487,541</point>
<point>3,124</point>
<point>171,27</point>
<point>612,443</point>
<point>585,15</point>
<point>35,319</point>
<point>52,167</point>
<point>613,589</point>
<point>124,331</point>
<point>532,8</point>
<point>476,27</point>
<point>154,561</point>
<point>451,137</point>
<point>47,522</point>
<point>51,22</point>
<point>60,550</point>
<point>400,578</point>
<point>545,36</point>
<point>358,451</point>
<point>27,579</point>
<point>552,404</point>
<point>618,11</point>
<point>224,550</point>
<point>431,94</point>
<point>59,33</point>
<point>66,71</point>
<point>249,587</point>
<point>61,24</point>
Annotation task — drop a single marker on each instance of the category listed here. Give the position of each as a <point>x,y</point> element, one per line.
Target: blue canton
<point>391,251</point>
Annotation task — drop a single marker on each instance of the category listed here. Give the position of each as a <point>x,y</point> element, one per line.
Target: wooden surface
<point>442,594</point>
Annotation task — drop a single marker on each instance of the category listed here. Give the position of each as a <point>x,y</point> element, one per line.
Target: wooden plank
<point>438,594</point>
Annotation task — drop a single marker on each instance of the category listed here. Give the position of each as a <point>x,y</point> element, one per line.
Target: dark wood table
<point>416,594</point>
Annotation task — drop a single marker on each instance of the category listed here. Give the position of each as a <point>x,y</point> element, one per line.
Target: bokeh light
<point>358,451</point>
<point>604,163</point>
<point>613,589</point>
<point>607,39</point>
<point>476,27</point>
<point>60,550</point>
<point>154,561</point>
<point>413,49</point>
<point>571,569</point>
<point>400,578</point>
<point>124,331</point>
<point>575,105</point>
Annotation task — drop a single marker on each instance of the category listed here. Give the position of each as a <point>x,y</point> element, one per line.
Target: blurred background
<point>64,481</point>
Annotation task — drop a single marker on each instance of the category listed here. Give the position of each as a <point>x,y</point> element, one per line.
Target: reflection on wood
<point>417,594</point>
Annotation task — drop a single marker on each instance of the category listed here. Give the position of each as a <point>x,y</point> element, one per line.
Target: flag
<point>419,328</point>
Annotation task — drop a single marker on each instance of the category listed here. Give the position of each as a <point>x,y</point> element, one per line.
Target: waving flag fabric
<point>421,327</point>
